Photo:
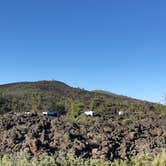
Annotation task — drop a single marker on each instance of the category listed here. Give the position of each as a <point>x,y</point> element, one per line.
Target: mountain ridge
<point>51,92</point>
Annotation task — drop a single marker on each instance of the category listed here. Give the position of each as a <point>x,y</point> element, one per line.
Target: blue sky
<point>118,46</point>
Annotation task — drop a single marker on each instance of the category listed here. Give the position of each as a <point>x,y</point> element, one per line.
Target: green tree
<point>59,107</point>
<point>36,102</point>
<point>77,108</point>
<point>14,104</point>
<point>98,104</point>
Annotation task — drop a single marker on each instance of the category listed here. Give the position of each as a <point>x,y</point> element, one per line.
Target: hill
<point>48,95</point>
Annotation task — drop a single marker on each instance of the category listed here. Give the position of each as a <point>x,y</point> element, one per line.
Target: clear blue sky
<point>115,45</point>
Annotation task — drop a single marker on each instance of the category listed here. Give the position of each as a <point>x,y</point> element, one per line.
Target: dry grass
<point>20,159</point>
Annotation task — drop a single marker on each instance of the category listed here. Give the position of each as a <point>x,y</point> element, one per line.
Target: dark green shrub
<point>58,107</point>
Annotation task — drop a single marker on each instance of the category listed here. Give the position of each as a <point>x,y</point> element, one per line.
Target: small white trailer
<point>90,113</point>
<point>56,114</point>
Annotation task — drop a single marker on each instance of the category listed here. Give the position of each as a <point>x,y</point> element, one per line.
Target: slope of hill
<point>44,95</point>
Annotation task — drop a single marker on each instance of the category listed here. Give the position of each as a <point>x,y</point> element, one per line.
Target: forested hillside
<point>55,95</point>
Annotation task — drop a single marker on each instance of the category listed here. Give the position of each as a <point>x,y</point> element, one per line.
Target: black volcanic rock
<point>104,137</point>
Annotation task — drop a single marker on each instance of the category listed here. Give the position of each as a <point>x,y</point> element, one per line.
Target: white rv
<point>90,113</point>
<point>57,114</point>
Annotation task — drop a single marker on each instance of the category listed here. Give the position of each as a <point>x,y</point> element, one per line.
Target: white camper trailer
<point>56,114</point>
<point>90,113</point>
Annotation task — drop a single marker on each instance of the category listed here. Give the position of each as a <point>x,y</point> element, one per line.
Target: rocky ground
<point>108,137</point>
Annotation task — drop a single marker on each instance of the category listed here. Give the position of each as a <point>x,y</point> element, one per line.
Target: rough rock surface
<point>109,137</point>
